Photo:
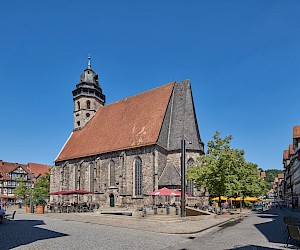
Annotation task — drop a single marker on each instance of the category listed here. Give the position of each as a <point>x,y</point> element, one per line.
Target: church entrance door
<point>111,200</point>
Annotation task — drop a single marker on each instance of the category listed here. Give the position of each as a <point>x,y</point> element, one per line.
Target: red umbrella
<point>80,191</point>
<point>162,192</point>
<point>178,193</point>
<point>2,196</point>
<point>60,192</point>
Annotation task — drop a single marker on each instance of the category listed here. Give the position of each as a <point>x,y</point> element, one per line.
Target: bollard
<point>177,211</point>
<point>155,210</point>
<point>168,209</point>
<point>144,211</point>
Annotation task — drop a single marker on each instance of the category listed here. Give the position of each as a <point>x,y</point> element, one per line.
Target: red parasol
<point>79,191</point>
<point>60,192</point>
<point>178,193</point>
<point>2,196</point>
<point>163,192</point>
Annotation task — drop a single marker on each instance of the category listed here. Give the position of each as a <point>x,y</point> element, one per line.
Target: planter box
<point>40,209</point>
<point>27,207</point>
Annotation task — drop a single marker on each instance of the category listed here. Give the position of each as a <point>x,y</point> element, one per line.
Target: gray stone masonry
<point>94,173</point>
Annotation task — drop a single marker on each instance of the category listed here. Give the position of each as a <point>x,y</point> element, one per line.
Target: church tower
<point>87,97</point>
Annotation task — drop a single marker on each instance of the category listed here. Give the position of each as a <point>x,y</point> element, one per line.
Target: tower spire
<point>89,61</point>
<point>87,97</point>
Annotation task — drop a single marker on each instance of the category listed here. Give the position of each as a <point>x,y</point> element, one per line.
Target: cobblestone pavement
<point>170,224</point>
<point>39,232</point>
<point>257,230</point>
<point>86,230</point>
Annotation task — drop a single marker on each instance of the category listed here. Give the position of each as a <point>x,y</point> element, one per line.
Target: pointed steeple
<point>89,62</point>
<point>87,97</point>
<point>88,75</point>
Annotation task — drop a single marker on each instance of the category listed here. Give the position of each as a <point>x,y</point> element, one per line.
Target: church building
<point>122,151</point>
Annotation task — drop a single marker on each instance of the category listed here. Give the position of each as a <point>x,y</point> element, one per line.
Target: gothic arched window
<point>88,104</point>
<point>78,105</point>
<point>190,183</point>
<point>112,180</point>
<point>138,176</point>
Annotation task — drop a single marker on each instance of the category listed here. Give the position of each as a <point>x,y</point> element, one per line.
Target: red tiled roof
<point>132,122</point>
<point>285,154</point>
<point>291,149</point>
<point>263,174</point>
<point>8,167</point>
<point>280,176</point>
<point>296,132</point>
<point>38,169</point>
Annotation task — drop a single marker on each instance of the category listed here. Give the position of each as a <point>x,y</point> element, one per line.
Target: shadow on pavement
<point>22,232</point>
<point>253,247</point>
<point>268,216</point>
<point>274,230</point>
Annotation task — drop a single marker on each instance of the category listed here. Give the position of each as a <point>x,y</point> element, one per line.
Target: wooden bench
<point>293,233</point>
<point>10,216</point>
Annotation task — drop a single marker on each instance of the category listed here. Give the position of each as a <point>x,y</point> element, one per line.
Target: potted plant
<point>27,205</point>
<point>40,206</point>
<point>22,192</point>
<point>41,192</point>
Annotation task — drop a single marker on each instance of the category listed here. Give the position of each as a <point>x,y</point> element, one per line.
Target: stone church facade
<point>122,151</point>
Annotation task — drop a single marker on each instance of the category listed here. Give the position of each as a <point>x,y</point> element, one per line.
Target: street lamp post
<point>30,194</point>
<point>183,157</point>
<point>30,197</point>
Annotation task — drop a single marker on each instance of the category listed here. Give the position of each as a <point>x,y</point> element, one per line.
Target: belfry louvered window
<point>138,177</point>
<point>112,180</point>
<point>190,183</point>
<point>88,104</point>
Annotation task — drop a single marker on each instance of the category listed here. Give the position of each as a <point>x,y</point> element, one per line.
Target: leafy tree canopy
<point>21,191</point>
<point>223,170</point>
<point>40,192</point>
<point>271,174</point>
<point>42,188</point>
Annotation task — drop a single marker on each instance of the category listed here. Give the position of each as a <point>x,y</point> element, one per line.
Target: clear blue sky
<point>242,57</point>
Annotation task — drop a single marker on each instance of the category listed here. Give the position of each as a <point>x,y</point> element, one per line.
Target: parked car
<point>257,207</point>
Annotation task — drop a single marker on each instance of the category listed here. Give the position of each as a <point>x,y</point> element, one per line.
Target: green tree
<point>21,191</point>
<point>223,171</point>
<point>271,174</point>
<point>251,184</point>
<point>41,189</point>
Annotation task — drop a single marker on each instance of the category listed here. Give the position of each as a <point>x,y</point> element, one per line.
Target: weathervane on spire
<point>89,61</point>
